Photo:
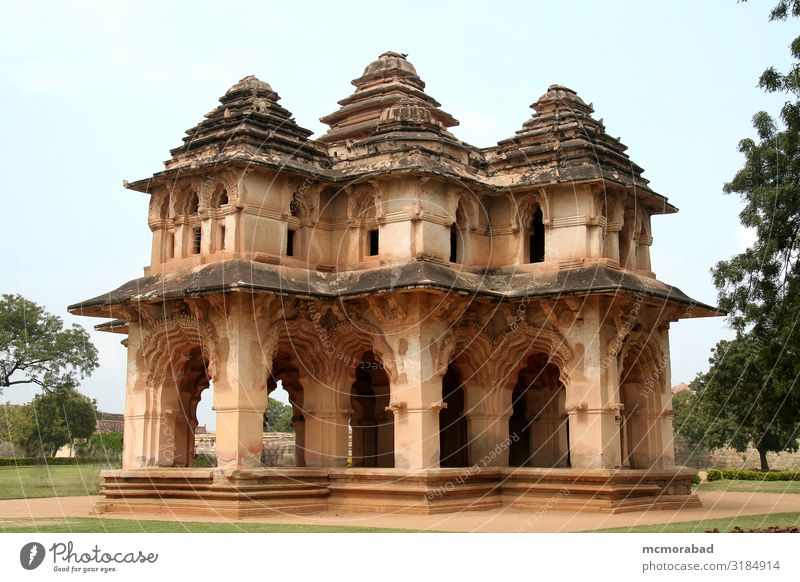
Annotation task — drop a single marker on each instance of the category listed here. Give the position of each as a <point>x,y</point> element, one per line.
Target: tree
<point>278,417</point>
<point>36,349</point>
<point>750,393</point>
<point>52,419</point>
<point>686,422</point>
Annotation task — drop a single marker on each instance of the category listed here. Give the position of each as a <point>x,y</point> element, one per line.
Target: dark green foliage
<point>203,460</point>
<point>36,349</point>
<point>745,475</point>
<point>278,417</point>
<point>51,420</point>
<point>60,461</point>
<point>105,445</point>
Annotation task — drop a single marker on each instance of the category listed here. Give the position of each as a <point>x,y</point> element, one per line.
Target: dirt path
<point>715,504</point>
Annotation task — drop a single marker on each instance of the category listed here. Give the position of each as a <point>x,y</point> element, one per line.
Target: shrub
<point>745,475</point>
<point>714,475</point>
<point>203,460</point>
<point>105,444</point>
<point>696,480</point>
<point>28,461</point>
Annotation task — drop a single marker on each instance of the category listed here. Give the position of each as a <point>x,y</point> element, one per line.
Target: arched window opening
<point>536,238</point>
<point>220,197</point>
<point>457,230</point>
<point>193,207</point>
<point>164,211</point>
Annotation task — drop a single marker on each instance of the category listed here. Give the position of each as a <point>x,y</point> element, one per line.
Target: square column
<point>488,410</point>
<point>592,397</point>
<point>245,348</point>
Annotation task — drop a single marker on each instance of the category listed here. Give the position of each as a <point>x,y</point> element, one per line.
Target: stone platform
<point>267,491</point>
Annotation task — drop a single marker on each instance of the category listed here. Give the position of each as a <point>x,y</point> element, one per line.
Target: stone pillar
<point>245,350</point>
<point>488,411</point>
<point>326,438</point>
<point>416,425</point>
<point>327,414</point>
<point>135,453</point>
<point>592,395</point>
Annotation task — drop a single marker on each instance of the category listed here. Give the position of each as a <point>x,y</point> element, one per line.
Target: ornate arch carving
<point>167,344</point>
<point>183,192</point>
<point>300,338</point>
<point>526,206</point>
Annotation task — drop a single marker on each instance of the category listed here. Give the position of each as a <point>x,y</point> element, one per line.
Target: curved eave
<point>250,277</point>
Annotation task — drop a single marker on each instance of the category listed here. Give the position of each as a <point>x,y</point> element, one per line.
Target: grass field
<point>735,485</point>
<point>90,525</point>
<point>43,481</point>
<point>723,524</point>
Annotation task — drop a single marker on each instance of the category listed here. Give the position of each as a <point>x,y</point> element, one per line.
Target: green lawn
<point>736,485</point>
<point>722,524</point>
<point>87,525</point>
<point>44,481</point>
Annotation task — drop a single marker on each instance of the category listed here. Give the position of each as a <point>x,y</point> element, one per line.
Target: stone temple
<point>482,323</point>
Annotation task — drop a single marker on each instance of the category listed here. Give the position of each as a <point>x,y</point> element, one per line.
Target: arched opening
<point>181,437</point>
<point>371,425</point>
<point>457,233</point>
<point>164,210</point>
<point>639,436</point>
<point>538,426</point>
<point>285,375</point>
<point>193,204</point>
<point>279,420</point>
<point>536,237</point>
<point>453,427</point>
<point>220,197</point>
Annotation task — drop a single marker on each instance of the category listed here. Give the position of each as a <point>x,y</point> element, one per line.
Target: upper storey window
<point>294,205</point>
<point>193,205</point>
<point>536,238</point>
<point>373,241</point>
<point>457,230</point>
<point>220,197</point>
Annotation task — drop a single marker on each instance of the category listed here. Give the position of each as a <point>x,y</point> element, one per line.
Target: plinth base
<point>272,491</point>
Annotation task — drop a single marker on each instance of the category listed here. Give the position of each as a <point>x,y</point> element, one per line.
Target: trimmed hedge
<point>745,475</point>
<point>203,460</point>
<point>28,461</point>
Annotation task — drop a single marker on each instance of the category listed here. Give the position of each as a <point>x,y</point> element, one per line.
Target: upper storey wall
<point>278,218</point>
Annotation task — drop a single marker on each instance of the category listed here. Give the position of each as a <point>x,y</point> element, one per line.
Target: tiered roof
<point>562,141</point>
<point>249,121</point>
<point>388,91</point>
<point>390,125</point>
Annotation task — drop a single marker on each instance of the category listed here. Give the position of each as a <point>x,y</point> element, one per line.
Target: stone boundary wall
<point>727,458</point>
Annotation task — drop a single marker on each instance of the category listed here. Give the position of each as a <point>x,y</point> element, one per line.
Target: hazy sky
<point>92,94</point>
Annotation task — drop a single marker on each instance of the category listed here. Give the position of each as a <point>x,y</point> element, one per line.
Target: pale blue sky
<point>92,94</point>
